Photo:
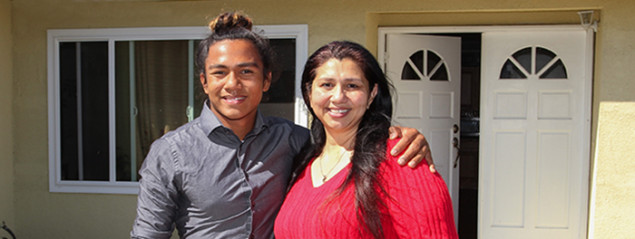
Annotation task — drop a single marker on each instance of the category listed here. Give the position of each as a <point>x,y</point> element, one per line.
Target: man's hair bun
<point>228,21</point>
<point>234,26</point>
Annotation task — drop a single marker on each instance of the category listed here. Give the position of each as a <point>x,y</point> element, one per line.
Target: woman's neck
<point>340,139</point>
<point>334,157</point>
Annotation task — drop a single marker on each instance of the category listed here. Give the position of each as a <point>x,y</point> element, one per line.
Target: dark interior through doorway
<point>470,108</point>
<point>469,143</point>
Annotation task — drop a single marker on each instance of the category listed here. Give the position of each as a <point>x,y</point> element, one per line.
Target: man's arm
<point>157,201</point>
<point>419,203</point>
<point>415,145</point>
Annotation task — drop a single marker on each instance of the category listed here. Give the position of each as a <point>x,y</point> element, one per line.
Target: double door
<point>534,121</point>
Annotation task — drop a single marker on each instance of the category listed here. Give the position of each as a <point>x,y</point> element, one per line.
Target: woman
<point>347,185</point>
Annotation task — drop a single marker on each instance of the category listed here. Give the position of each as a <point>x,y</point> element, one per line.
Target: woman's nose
<point>338,94</point>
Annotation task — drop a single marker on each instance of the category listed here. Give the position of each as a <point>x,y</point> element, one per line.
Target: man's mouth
<point>234,99</point>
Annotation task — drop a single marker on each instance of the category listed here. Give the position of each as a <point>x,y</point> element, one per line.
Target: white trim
<point>53,104</point>
<point>112,127</point>
<point>588,116</point>
<point>301,34</point>
<point>55,36</point>
<point>129,34</point>
<point>80,131</point>
<point>475,29</point>
<point>132,111</point>
<point>301,51</point>
<point>96,187</point>
<point>190,80</point>
<point>593,194</point>
<point>383,31</point>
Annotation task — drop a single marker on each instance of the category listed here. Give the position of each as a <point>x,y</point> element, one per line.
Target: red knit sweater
<point>418,206</point>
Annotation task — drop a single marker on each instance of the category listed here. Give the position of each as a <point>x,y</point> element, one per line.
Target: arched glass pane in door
<point>425,65</point>
<point>537,61</point>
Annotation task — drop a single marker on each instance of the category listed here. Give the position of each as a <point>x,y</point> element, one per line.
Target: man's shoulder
<point>177,142</point>
<point>273,120</point>
<point>280,127</point>
<point>277,122</point>
<point>184,133</point>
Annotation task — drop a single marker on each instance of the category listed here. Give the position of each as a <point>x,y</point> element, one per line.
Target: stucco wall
<point>614,185</point>
<point>40,214</point>
<point>6,117</point>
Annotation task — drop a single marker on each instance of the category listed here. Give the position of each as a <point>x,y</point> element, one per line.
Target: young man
<point>225,174</point>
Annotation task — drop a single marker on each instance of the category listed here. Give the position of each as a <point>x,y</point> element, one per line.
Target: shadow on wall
<point>4,227</point>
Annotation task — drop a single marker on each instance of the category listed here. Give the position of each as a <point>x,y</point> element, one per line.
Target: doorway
<point>524,128</point>
<point>470,120</point>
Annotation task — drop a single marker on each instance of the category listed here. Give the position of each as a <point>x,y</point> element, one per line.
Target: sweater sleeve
<point>418,202</point>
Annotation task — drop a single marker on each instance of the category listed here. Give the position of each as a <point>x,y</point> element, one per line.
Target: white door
<point>534,139</point>
<point>426,73</point>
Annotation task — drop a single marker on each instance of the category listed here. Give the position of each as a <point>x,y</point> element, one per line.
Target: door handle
<point>455,143</point>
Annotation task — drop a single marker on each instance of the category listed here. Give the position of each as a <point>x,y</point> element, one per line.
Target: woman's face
<point>340,94</point>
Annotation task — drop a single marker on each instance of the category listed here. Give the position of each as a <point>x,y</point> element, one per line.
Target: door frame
<point>587,92</point>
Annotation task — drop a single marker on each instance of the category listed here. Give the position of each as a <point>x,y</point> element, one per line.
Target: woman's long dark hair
<point>370,140</point>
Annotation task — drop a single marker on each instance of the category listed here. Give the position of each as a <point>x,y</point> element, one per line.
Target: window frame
<point>298,32</point>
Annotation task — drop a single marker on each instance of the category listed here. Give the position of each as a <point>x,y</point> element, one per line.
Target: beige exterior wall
<point>614,185</point>
<point>41,214</point>
<point>7,212</point>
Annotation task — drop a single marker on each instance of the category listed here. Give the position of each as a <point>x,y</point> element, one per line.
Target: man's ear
<point>267,82</point>
<point>203,81</point>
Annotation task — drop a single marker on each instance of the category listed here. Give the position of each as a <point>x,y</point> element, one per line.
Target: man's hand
<point>417,147</point>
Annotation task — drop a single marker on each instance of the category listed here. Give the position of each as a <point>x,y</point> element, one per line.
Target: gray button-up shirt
<point>202,179</point>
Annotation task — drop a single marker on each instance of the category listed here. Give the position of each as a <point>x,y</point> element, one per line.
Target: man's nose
<point>232,81</point>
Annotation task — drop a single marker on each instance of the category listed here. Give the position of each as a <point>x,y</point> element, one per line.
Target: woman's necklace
<point>324,175</point>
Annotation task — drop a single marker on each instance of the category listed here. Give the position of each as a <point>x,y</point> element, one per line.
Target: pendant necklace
<point>324,175</point>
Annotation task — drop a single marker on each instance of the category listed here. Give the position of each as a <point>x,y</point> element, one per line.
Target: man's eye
<point>353,86</point>
<point>217,73</point>
<point>246,71</point>
<point>326,85</point>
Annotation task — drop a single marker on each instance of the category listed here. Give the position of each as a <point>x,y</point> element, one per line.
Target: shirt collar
<point>209,121</point>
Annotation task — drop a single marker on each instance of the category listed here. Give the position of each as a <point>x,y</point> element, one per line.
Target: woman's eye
<point>353,86</point>
<point>326,85</point>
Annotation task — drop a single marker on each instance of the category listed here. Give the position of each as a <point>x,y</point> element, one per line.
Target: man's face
<point>234,81</point>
